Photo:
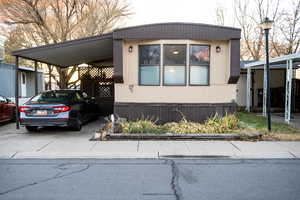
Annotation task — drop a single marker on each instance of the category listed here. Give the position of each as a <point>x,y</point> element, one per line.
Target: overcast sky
<point>197,11</point>
<point>153,11</point>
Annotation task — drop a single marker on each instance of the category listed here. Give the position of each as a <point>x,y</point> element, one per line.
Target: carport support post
<point>248,100</point>
<point>36,77</point>
<point>50,72</point>
<point>288,90</point>
<point>17,92</point>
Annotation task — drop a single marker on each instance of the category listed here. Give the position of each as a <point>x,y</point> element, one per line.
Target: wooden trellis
<point>98,82</point>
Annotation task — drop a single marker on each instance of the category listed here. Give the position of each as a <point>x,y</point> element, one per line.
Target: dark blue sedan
<point>66,108</point>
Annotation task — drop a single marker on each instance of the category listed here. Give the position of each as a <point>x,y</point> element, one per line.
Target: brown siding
<point>118,60</point>
<point>234,73</point>
<point>172,112</point>
<point>178,31</point>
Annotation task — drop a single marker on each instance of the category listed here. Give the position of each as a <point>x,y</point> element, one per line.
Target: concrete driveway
<point>49,141</point>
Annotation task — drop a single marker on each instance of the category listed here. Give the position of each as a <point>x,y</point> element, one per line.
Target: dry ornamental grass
<point>215,124</point>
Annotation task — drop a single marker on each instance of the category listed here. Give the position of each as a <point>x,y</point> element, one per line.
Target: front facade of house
<point>161,71</point>
<point>168,77</point>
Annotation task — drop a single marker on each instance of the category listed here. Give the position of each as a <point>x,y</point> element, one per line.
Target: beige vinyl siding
<point>218,90</point>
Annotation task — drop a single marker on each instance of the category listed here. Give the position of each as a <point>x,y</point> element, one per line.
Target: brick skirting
<point>172,112</point>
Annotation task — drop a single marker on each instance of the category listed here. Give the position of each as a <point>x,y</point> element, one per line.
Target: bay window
<point>175,61</point>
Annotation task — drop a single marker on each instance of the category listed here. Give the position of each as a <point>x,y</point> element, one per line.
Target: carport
<point>287,63</point>
<point>94,51</point>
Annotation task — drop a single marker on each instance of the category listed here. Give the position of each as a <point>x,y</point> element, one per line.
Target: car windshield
<point>52,97</point>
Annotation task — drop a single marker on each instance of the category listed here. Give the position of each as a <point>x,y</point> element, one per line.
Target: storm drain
<point>194,156</point>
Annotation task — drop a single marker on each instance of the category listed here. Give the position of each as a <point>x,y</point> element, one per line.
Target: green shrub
<point>142,126</point>
<point>217,124</point>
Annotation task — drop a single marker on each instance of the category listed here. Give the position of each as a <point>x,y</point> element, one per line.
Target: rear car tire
<point>77,125</point>
<point>31,128</point>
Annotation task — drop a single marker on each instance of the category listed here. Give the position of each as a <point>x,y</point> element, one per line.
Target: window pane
<point>174,75</point>
<point>149,54</point>
<point>52,96</point>
<point>149,75</point>
<point>174,54</point>
<point>199,75</point>
<point>199,54</point>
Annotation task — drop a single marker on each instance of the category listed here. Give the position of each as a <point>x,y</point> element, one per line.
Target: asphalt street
<point>145,179</point>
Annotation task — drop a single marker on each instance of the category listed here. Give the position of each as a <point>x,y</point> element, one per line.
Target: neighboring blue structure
<point>26,80</point>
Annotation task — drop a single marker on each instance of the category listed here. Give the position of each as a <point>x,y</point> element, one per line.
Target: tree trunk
<point>63,78</point>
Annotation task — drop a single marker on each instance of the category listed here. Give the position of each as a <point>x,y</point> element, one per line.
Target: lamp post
<point>266,25</point>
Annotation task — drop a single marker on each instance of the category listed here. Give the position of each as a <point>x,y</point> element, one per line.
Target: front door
<point>23,84</point>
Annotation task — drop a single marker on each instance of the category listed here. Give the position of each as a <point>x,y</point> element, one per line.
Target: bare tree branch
<point>249,15</point>
<point>39,22</point>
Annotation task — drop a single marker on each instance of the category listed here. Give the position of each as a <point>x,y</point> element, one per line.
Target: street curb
<point>170,136</point>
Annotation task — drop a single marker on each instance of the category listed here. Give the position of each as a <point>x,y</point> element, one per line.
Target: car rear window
<point>52,97</point>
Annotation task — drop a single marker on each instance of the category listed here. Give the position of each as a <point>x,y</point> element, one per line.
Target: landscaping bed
<point>214,128</point>
<point>215,124</point>
<point>240,126</point>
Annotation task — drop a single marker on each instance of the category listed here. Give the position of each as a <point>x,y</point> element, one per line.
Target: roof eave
<point>179,23</point>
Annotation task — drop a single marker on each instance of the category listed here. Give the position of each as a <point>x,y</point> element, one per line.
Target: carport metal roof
<point>72,52</point>
<point>276,63</point>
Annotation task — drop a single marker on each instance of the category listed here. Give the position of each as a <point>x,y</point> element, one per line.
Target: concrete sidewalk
<point>63,143</point>
<point>75,148</point>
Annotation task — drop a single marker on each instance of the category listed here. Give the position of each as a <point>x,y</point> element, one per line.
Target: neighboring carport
<point>91,50</point>
<point>287,63</point>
